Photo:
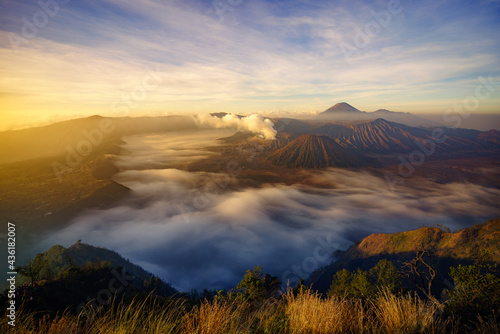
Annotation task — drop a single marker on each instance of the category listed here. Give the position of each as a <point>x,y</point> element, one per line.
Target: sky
<point>65,59</point>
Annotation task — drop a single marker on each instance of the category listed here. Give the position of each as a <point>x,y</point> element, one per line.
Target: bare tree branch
<point>422,273</point>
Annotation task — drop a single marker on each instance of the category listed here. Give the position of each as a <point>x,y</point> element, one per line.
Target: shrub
<point>476,292</point>
<point>363,284</point>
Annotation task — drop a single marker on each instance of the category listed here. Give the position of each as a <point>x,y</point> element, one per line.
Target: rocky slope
<point>314,151</point>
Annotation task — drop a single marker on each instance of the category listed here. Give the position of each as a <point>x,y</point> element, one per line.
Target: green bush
<point>365,284</point>
<point>476,292</point>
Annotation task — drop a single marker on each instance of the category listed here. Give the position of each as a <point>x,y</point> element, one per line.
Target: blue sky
<point>246,56</point>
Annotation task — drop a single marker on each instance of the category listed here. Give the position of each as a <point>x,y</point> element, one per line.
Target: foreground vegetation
<point>300,312</point>
<point>65,294</point>
<point>257,306</point>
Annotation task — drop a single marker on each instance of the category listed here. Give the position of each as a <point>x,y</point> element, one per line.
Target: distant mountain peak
<point>345,112</point>
<point>385,111</point>
<point>380,120</point>
<point>342,107</point>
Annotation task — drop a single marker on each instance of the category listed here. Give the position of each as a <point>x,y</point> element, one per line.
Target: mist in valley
<point>201,230</point>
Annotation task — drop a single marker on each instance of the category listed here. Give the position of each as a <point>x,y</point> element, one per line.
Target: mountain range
<point>381,136</point>
<point>67,167</point>
<point>345,112</point>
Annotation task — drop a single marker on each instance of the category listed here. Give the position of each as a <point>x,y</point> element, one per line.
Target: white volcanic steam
<point>253,123</point>
<point>194,231</point>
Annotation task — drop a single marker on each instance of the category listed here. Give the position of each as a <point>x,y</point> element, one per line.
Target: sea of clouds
<point>201,230</point>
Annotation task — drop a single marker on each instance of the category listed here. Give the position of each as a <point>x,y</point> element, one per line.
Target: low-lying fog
<point>194,231</point>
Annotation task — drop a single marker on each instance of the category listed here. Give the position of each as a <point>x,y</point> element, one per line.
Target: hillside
<point>449,249</point>
<point>313,151</point>
<point>32,194</point>
<point>462,244</point>
<point>55,139</point>
<point>56,260</point>
<point>50,174</point>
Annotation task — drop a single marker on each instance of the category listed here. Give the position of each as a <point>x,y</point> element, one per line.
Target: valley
<point>205,180</point>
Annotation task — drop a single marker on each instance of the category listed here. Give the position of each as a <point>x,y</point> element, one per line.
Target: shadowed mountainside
<point>57,259</point>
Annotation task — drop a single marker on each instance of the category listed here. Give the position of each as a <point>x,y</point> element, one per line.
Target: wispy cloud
<point>265,54</point>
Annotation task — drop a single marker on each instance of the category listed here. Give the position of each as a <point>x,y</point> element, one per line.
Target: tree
<point>341,283</point>
<point>364,284</point>
<point>351,285</point>
<point>257,287</point>
<point>301,287</point>
<point>32,269</point>
<point>422,273</point>
<point>385,275</point>
<point>361,287</point>
<point>154,284</point>
<point>476,292</point>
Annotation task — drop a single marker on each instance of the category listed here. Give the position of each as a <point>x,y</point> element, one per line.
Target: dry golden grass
<point>28,325</point>
<point>137,317</point>
<point>217,317</point>
<point>406,314</point>
<point>303,313</point>
<point>486,326</point>
<point>309,313</point>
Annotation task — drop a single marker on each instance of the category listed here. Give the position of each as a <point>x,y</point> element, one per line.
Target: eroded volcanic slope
<point>381,136</point>
<point>315,151</point>
<point>377,135</point>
